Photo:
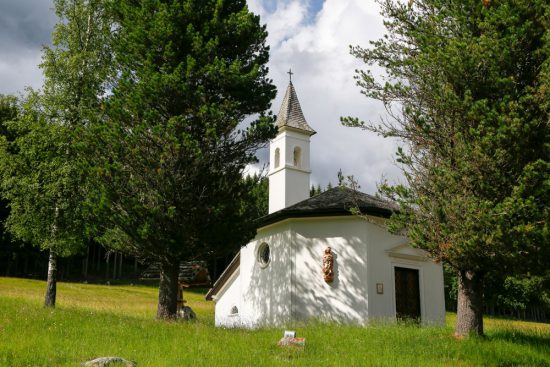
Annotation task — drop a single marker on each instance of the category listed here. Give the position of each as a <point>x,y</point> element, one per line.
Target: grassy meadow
<point>96,320</point>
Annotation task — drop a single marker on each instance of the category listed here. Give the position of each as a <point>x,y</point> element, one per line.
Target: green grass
<point>92,321</point>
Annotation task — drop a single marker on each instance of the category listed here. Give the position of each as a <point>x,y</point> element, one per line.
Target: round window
<point>263,254</point>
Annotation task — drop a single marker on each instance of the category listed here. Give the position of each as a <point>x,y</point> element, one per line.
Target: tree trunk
<point>93,259</point>
<point>51,287</point>
<point>8,266</point>
<point>168,291</point>
<point>98,265</point>
<point>16,262</point>
<point>469,317</point>
<point>114,265</point>
<point>107,255</point>
<point>85,263</point>
<point>120,266</point>
<point>65,270</point>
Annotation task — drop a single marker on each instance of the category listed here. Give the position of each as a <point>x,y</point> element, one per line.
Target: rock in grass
<point>106,361</point>
<point>186,313</point>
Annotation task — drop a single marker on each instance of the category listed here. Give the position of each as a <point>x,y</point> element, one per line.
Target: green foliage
<point>189,73</point>
<point>465,86</point>
<point>258,204</point>
<point>315,190</point>
<point>9,110</point>
<point>39,184</point>
<point>520,292</point>
<point>97,321</point>
<point>45,167</point>
<point>523,296</point>
<point>77,69</point>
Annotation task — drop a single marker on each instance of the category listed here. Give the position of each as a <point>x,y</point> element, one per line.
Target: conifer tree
<point>189,73</point>
<point>467,86</point>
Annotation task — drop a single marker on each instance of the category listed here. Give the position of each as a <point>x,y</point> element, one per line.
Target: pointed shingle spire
<point>290,114</point>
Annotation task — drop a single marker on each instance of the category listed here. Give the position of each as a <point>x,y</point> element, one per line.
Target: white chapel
<point>312,259</point>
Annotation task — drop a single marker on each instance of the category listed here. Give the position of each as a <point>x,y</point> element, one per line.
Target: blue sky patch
<point>314,6</point>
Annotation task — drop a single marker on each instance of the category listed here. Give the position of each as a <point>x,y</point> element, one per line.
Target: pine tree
<point>467,86</point>
<point>189,73</point>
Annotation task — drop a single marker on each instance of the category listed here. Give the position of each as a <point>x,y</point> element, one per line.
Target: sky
<point>311,37</point>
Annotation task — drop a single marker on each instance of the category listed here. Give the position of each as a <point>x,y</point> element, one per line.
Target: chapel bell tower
<point>289,155</point>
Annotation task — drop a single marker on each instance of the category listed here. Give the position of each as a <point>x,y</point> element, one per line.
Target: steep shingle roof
<point>291,114</point>
<point>336,201</point>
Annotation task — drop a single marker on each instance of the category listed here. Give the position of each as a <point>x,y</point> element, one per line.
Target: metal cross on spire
<point>290,73</point>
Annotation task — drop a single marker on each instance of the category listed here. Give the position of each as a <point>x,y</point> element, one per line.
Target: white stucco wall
<point>280,196</point>
<point>266,290</point>
<point>292,285</point>
<point>380,269</point>
<point>345,299</point>
<point>225,300</point>
<point>288,183</point>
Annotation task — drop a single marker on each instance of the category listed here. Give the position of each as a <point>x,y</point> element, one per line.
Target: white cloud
<point>317,50</point>
<point>284,23</point>
<point>315,46</point>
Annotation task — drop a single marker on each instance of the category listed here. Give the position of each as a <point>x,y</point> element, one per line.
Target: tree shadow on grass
<point>540,342</point>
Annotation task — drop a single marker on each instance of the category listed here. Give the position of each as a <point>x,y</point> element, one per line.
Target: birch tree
<point>46,170</point>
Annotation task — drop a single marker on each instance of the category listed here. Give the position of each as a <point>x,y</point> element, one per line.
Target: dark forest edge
<point>508,297</point>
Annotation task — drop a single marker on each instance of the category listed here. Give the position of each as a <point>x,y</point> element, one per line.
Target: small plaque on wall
<point>380,288</point>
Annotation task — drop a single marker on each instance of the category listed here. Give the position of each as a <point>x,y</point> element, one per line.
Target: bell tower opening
<point>297,157</point>
<point>277,157</point>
